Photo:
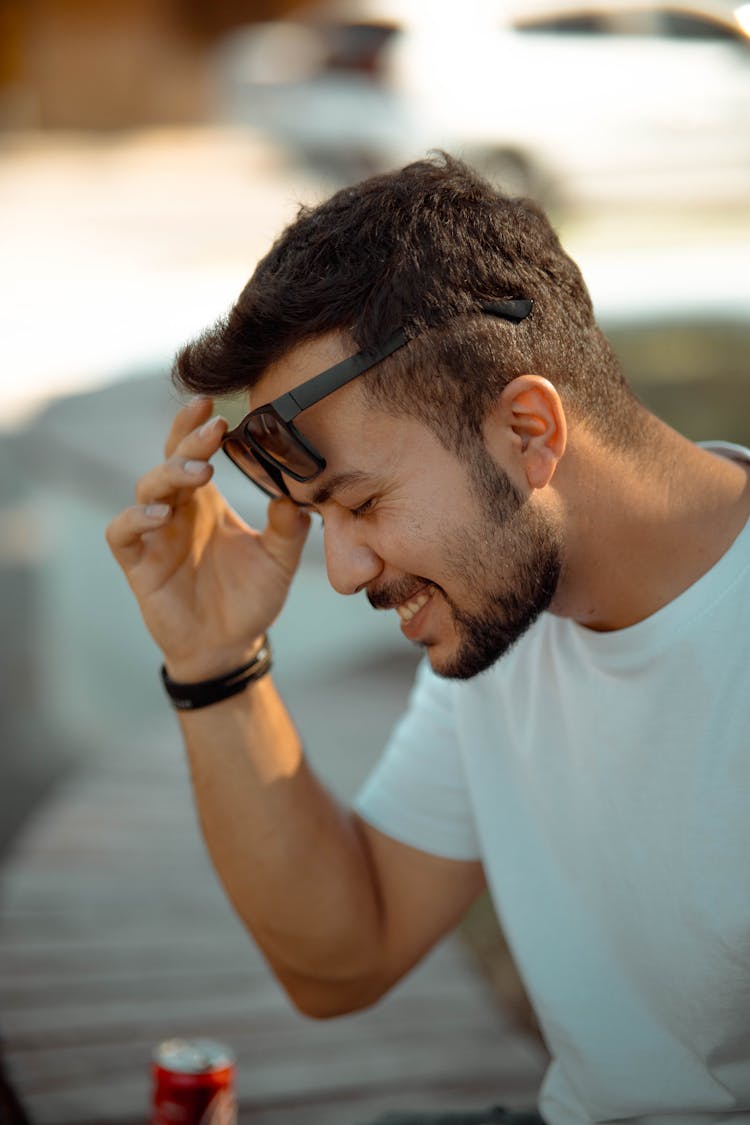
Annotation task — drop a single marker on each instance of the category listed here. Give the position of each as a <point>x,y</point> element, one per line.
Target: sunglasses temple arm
<point>293,402</point>
<point>290,404</point>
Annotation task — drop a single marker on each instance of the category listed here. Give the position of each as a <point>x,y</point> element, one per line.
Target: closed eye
<point>363,509</point>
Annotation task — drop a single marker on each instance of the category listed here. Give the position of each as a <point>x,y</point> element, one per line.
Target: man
<point>426,373</point>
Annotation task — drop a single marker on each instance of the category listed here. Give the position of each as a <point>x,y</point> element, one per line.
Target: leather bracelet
<point>191,697</point>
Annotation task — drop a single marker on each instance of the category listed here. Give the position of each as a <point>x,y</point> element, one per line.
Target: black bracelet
<point>191,697</point>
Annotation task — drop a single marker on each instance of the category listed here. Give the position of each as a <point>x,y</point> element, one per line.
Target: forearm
<point>289,857</point>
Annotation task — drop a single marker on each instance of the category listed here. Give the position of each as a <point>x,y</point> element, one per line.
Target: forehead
<point>353,435</point>
<point>345,429</point>
<point>299,364</point>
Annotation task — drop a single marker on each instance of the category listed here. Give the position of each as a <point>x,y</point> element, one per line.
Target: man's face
<point>466,560</point>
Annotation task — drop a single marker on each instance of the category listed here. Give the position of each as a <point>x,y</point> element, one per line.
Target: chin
<point>479,643</point>
<point>461,663</point>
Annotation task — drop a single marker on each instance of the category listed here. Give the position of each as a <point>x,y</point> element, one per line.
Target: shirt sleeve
<point>417,793</point>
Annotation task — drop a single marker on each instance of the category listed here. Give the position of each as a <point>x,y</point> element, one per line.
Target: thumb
<point>285,533</point>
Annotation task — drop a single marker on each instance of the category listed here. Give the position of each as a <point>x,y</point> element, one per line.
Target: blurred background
<point>150,150</point>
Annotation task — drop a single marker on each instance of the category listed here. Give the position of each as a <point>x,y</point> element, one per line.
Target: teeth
<point>408,609</point>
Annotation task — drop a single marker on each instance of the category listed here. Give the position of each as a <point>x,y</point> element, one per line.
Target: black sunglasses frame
<point>287,406</point>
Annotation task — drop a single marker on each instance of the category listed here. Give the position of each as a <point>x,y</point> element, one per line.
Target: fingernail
<point>157,511</point>
<point>196,399</point>
<point>208,426</point>
<point>194,467</point>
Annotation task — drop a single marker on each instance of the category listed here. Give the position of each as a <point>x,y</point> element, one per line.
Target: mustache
<point>395,593</point>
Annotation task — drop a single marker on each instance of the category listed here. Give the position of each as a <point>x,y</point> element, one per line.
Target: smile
<point>407,610</point>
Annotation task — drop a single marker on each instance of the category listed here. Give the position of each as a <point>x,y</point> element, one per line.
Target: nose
<point>351,564</point>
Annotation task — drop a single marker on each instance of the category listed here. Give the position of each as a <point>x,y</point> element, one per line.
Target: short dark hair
<point>420,248</point>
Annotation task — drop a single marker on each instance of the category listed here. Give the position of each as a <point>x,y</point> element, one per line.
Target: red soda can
<point>193,1083</point>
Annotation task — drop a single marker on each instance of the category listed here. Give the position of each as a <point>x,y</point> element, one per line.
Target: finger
<point>192,415</point>
<point>173,482</point>
<point>204,441</point>
<point>285,533</point>
<point>125,533</point>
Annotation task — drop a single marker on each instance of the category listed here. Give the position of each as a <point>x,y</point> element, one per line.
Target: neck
<point>641,528</point>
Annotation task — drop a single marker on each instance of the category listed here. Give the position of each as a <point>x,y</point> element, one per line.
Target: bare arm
<point>339,910</point>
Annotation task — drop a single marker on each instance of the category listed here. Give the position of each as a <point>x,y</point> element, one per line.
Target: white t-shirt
<point>604,781</point>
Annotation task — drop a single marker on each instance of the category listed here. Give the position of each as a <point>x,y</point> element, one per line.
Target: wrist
<point>194,695</point>
<point>208,664</point>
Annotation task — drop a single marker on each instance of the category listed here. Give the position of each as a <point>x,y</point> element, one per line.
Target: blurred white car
<point>612,100</point>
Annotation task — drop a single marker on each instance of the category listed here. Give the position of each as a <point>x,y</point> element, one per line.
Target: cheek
<point>405,544</point>
<point>421,534</point>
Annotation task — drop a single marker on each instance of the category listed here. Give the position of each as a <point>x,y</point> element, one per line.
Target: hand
<point>207,584</point>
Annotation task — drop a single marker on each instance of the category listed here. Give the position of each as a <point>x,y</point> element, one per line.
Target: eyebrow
<point>336,483</point>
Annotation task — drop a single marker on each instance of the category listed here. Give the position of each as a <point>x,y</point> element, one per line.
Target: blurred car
<point>611,100</point>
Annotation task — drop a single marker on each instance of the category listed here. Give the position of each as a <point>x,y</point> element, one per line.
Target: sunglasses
<point>266,446</point>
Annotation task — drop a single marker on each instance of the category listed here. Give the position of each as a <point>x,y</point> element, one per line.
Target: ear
<point>529,421</point>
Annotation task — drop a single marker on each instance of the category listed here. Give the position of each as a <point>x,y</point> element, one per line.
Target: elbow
<point>326,1000</point>
<point>330,1008</point>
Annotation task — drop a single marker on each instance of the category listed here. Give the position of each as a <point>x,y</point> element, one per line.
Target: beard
<point>518,541</point>
<point>510,559</point>
<point>485,634</point>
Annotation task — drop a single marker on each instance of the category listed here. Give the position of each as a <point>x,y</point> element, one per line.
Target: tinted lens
<point>258,473</point>
<point>274,438</point>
